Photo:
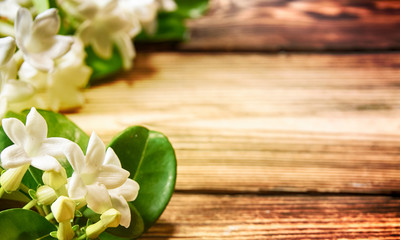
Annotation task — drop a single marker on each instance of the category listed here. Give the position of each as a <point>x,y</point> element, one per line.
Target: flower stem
<point>1,191</point>
<point>30,204</point>
<point>46,210</point>
<point>82,237</point>
<point>24,188</point>
<point>50,216</point>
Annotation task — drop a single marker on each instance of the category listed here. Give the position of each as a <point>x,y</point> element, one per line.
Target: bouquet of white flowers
<point>77,188</point>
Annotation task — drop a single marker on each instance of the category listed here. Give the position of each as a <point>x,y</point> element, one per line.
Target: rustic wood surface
<point>282,146</point>
<point>297,25</point>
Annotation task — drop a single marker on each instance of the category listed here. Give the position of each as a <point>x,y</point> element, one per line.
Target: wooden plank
<point>261,123</point>
<point>297,25</point>
<point>192,216</point>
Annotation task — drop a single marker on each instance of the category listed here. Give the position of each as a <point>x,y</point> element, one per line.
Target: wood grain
<point>192,216</point>
<point>263,123</point>
<point>299,25</point>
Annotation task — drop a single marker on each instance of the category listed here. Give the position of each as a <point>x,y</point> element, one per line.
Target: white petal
<point>112,176</point>
<point>41,62</point>
<point>111,158</point>
<point>60,46</point>
<point>46,24</point>
<point>7,49</point>
<point>98,198</point>
<point>102,46</point>
<point>125,47</point>
<point>54,146</point>
<point>75,157</point>
<point>15,130</point>
<point>46,163</point>
<point>14,156</point>
<point>22,26</point>
<point>85,32</point>
<point>36,126</point>
<point>121,205</point>
<point>129,190</point>
<point>76,187</point>
<point>95,152</point>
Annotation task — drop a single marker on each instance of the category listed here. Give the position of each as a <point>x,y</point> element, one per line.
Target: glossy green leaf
<point>20,224</point>
<point>171,25</point>
<point>191,9</point>
<point>150,158</point>
<point>103,68</point>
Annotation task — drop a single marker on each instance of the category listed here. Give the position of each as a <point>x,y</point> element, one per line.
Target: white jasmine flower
<point>31,145</point>
<point>38,39</point>
<point>104,24</point>
<point>62,88</point>
<point>143,10</point>
<point>100,179</point>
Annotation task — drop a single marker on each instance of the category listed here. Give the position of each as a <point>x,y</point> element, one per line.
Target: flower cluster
<point>98,181</point>
<point>40,68</point>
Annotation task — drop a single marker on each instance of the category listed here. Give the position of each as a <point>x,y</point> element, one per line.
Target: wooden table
<point>283,145</point>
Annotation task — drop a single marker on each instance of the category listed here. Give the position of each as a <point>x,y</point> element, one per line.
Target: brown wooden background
<point>296,144</point>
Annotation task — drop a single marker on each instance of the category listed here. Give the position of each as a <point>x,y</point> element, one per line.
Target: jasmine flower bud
<point>46,195</point>
<point>110,218</point>
<point>11,179</point>
<point>55,179</point>
<point>63,209</point>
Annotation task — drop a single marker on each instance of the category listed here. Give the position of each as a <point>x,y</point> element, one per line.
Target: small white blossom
<point>60,89</point>
<point>143,10</point>
<point>104,24</point>
<point>31,145</point>
<point>38,39</point>
<point>100,179</point>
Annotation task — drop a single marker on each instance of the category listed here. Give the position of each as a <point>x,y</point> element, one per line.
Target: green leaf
<point>171,25</point>
<point>150,158</point>
<point>103,68</point>
<point>191,9</point>
<point>20,224</point>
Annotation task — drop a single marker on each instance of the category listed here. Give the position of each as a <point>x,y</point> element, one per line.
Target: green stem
<point>24,188</point>
<point>40,210</point>
<point>50,216</point>
<point>46,209</point>
<point>30,204</point>
<point>1,191</point>
<point>82,237</point>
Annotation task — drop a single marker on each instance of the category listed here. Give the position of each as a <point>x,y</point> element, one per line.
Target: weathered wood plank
<point>297,25</point>
<point>260,123</point>
<point>192,216</point>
